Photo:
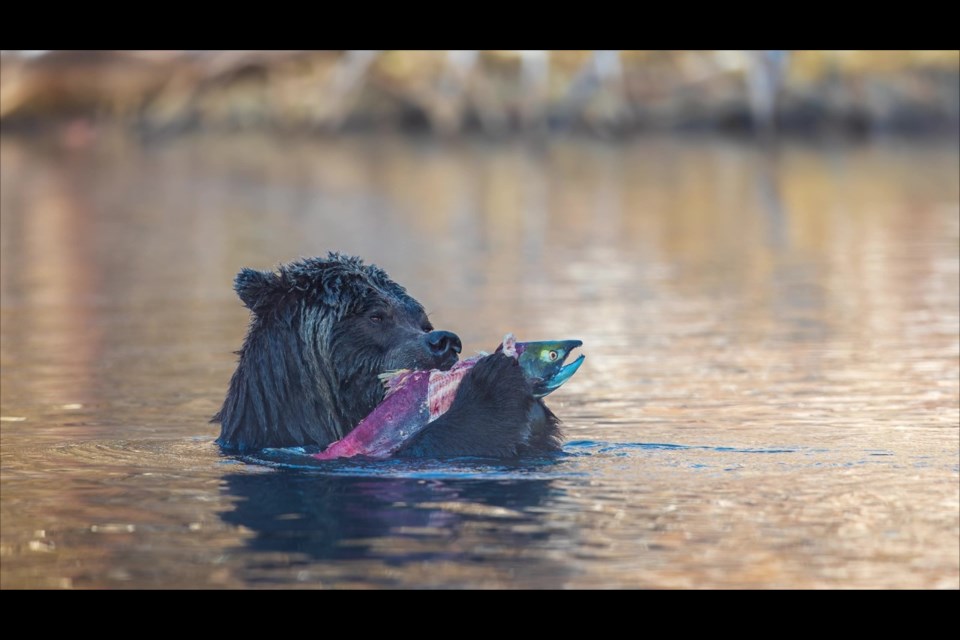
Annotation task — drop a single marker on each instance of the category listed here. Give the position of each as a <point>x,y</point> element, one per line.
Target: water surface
<point>770,396</point>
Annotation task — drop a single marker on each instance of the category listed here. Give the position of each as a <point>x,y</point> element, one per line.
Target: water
<point>771,396</point>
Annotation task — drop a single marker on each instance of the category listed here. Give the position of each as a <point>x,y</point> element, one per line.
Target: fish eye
<point>552,355</point>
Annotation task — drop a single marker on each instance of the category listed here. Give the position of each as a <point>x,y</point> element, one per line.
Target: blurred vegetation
<point>449,92</point>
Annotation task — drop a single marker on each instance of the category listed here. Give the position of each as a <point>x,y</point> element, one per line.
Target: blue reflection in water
<point>341,517</point>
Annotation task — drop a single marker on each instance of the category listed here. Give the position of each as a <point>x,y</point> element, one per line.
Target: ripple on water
<point>579,458</point>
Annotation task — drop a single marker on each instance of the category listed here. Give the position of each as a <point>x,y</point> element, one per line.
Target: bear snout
<point>444,346</point>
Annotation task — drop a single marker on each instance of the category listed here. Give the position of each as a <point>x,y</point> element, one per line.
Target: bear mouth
<point>418,362</point>
<point>448,362</point>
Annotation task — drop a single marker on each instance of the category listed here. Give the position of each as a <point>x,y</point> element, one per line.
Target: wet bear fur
<point>321,332</point>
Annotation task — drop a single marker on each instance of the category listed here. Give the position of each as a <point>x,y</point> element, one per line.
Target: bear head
<point>322,330</point>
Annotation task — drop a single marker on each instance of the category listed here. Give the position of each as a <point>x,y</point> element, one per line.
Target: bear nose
<point>442,342</point>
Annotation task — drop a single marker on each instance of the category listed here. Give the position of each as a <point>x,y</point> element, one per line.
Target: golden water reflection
<point>786,320</point>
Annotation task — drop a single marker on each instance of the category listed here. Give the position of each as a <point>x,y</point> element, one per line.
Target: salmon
<point>414,399</point>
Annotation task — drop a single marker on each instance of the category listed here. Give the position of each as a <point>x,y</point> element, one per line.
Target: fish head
<point>543,363</point>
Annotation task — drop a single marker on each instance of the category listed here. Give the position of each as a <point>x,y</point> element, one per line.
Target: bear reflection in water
<point>344,518</point>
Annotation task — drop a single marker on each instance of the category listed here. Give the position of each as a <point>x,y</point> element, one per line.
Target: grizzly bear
<point>323,330</point>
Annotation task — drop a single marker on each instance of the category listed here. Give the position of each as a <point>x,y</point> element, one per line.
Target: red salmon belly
<point>442,387</point>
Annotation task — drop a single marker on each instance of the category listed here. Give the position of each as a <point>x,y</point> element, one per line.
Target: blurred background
<point>759,249</point>
<point>605,93</point>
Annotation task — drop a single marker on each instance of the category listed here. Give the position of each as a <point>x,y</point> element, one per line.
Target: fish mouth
<point>543,364</point>
<point>553,383</point>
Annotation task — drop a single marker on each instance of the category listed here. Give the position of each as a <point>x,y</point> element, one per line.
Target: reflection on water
<point>390,522</point>
<point>770,397</point>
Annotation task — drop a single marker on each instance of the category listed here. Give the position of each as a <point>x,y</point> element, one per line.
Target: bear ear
<point>256,288</point>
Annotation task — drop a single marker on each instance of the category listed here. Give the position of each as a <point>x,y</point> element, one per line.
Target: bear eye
<point>376,317</point>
